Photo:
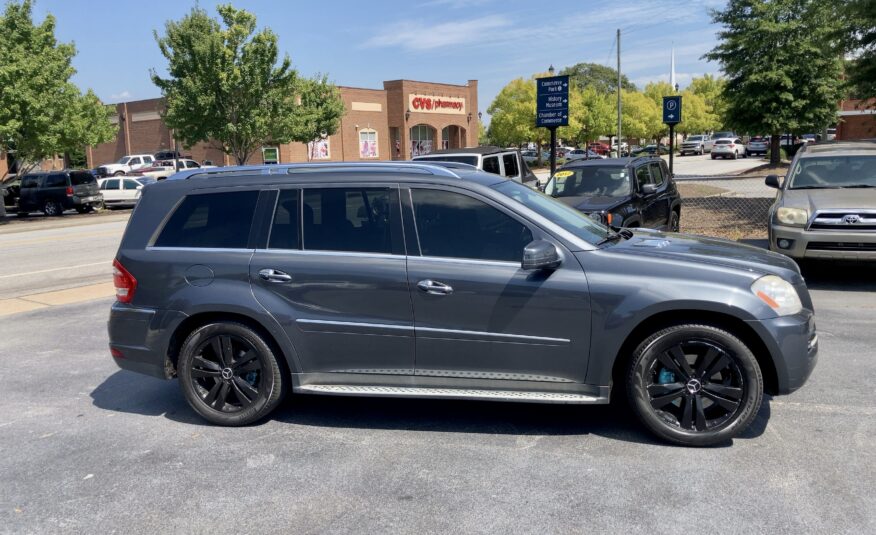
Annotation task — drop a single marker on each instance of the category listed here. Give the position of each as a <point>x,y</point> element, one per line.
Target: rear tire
<point>229,374</point>
<point>714,157</point>
<point>694,385</point>
<point>118,173</point>
<point>674,222</point>
<point>52,209</point>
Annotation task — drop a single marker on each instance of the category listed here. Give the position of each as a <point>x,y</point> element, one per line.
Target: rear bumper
<point>826,244</point>
<point>91,200</point>
<point>139,338</point>
<point>793,344</point>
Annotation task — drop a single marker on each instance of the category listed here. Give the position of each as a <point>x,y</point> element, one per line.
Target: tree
<point>41,112</point>
<point>512,113</point>
<point>318,110</point>
<point>859,32</point>
<point>695,116</point>
<point>603,79</point>
<point>227,85</point>
<point>711,89</point>
<point>640,117</point>
<point>782,65</point>
<point>595,112</point>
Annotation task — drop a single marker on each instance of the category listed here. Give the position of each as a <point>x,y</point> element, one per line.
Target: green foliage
<point>512,114</point>
<point>226,83</point>
<point>783,69</point>
<point>711,89</point>
<point>859,35</point>
<point>601,78</point>
<point>695,115</point>
<point>641,117</point>
<point>595,112</point>
<point>41,112</point>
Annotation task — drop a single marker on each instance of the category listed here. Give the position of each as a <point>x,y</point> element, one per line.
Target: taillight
<point>124,282</point>
<point>732,146</point>
<point>69,191</point>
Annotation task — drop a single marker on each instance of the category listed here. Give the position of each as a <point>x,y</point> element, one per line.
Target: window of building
<point>218,220</point>
<point>347,219</point>
<point>319,149</point>
<point>284,230</point>
<point>510,162</point>
<point>368,143</point>
<point>271,155</point>
<point>422,137</point>
<point>458,226</point>
<point>491,165</point>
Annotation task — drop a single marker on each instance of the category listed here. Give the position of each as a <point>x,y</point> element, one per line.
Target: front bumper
<point>139,338</point>
<point>827,244</point>
<point>793,344</point>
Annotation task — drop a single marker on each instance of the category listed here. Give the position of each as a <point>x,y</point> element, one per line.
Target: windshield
<point>569,219</point>
<point>470,160</point>
<point>834,172</point>
<point>590,181</point>
<point>124,160</point>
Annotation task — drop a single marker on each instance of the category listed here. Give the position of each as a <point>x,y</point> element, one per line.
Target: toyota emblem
<point>851,219</point>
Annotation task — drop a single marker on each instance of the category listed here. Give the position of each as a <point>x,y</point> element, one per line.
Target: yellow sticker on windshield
<point>563,174</point>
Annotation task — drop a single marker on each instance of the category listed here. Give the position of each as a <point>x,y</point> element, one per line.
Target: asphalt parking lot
<point>89,448</point>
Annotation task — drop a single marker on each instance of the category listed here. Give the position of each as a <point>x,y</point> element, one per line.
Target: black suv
<point>621,192</point>
<point>417,280</point>
<point>55,191</point>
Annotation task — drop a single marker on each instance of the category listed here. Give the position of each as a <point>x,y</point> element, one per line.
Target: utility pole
<point>619,137</point>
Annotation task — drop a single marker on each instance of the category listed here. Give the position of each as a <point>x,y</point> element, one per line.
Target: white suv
<point>125,164</point>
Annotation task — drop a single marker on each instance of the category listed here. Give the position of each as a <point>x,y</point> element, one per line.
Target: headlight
<point>778,294</point>
<point>792,216</point>
<point>596,216</point>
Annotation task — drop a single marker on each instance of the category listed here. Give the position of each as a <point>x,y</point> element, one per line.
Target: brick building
<point>403,119</point>
<point>857,119</point>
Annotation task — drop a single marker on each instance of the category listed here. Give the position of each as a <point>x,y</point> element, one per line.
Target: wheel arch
<point>667,318</point>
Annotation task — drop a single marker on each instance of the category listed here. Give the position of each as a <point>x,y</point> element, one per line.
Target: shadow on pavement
<point>135,394</point>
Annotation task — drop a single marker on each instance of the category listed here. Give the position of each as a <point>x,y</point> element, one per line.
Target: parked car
<point>123,191</point>
<point>651,150</point>
<point>582,154</point>
<point>162,169</point>
<point>621,192</point>
<point>758,145</point>
<point>170,155</point>
<point>697,144</point>
<point>10,189</point>
<point>826,204</point>
<point>599,148</point>
<point>729,148</point>
<point>529,156</point>
<point>505,162</point>
<point>125,165</point>
<point>417,280</point>
<point>54,192</point>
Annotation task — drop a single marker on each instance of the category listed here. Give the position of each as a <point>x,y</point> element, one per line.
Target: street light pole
<point>618,95</point>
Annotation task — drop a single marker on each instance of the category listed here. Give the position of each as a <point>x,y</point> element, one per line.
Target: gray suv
<point>417,280</point>
<point>826,205</point>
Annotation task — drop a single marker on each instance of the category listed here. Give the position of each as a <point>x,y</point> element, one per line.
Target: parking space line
<point>26,273</point>
<point>80,294</point>
<point>60,237</point>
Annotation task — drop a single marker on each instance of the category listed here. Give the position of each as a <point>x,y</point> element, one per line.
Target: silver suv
<point>826,205</point>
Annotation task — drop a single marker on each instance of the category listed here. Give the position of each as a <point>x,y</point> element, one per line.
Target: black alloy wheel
<point>229,375</point>
<point>695,385</point>
<point>674,223</point>
<point>52,208</point>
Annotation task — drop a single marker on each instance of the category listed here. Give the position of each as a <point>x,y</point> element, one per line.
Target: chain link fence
<point>733,207</point>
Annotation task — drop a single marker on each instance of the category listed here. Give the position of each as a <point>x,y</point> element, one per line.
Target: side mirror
<point>649,189</point>
<point>772,181</point>
<point>540,254</point>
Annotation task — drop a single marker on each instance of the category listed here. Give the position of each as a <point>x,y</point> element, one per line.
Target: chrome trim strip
<point>356,324</point>
<point>311,252</point>
<point>837,222</point>
<point>202,249</point>
<point>494,335</point>
<point>455,260</point>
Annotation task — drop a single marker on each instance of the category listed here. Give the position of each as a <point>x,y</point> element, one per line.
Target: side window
<point>491,165</point>
<point>147,159</point>
<point>284,229</point>
<point>135,161</point>
<point>657,174</point>
<point>111,184</point>
<point>220,220</point>
<point>454,225</point>
<point>643,176</point>
<point>56,180</point>
<point>29,182</point>
<point>511,168</point>
<point>191,164</point>
<point>131,184</point>
<point>347,219</point>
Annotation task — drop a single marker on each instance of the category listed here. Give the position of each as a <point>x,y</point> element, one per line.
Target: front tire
<point>52,209</point>
<point>694,385</point>
<point>229,374</point>
<point>674,222</point>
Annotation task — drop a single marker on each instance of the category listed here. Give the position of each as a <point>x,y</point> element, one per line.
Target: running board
<point>450,393</point>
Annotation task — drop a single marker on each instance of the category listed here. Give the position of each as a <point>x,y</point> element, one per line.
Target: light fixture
<point>480,115</point>
<point>407,115</point>
<point>469,116</point>
<point>551,69</point>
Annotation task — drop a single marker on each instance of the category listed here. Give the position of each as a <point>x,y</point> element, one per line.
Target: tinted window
<point>78,178</point>
<point>471,160</point>
<point>134,161</point>
<point>211,220</point>
<point>284,230</point>
<point>131,184</point>
<point>112,183</point>
<point>491,165</point>
<point>510,161</point>
<point>643,176</point>
<point>56,180</point>
<point>347,219</point>
<point>657,173</point>
<point>458,226</point>
<point>30,182</point>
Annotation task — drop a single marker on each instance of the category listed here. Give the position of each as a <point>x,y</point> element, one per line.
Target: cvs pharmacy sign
<point>433,104</point>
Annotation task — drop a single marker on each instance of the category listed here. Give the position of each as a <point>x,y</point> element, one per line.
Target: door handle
<point>434,288</point>
<point>274,275</point>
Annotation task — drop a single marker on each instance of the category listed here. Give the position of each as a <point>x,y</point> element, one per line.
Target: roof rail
<point>295,168</point>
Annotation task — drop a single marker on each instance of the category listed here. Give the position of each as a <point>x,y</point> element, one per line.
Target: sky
<point>361,44</point>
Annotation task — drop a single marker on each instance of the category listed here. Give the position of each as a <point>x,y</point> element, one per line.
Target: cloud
<point>417,35</point>
<point>121,96</point>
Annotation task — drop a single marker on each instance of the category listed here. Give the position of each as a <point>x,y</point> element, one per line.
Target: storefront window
<point>319,149</point>
<point>422,137</point>
<point>368,143</point>
<point>271,155</point>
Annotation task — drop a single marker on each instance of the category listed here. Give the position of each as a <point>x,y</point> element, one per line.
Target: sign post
<point>671,117</point>
<point>552,109</point>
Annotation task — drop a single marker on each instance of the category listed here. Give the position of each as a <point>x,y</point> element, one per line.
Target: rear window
<point>724,142</point>
<point>470,160</point>
<point>78,178</point>
<point>211,220</point>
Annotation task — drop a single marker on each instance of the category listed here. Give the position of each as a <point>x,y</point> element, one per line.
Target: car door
<point>477,313</point>
<point>55,189</point>
<point>647,202</point>
<point>662,204</point>
<point>332,273</point>
<point>130,190</point>
<point>112,190</point>
<point>135,163</point>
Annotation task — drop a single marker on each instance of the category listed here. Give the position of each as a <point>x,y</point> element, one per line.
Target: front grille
<point>845,221</point>
<point>840,246</point>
